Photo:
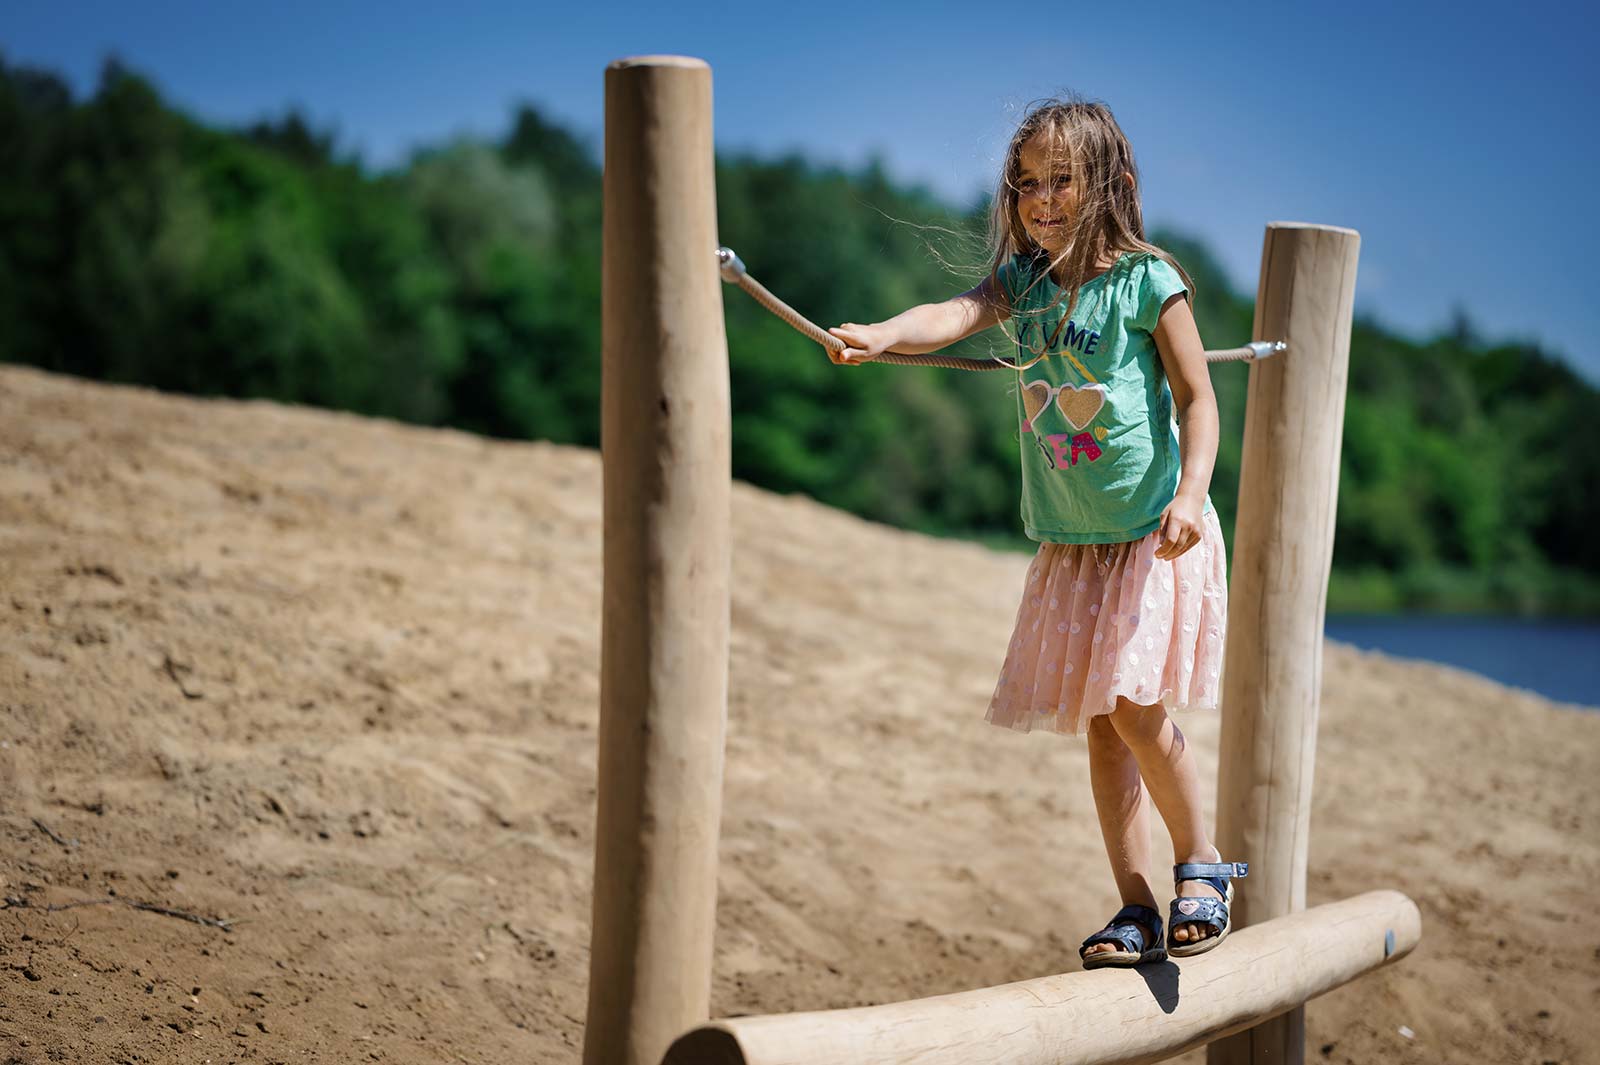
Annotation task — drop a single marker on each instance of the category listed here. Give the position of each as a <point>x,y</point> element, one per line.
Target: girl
<point>1125,606</point>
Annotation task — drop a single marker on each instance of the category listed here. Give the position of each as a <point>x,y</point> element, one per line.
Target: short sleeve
<point>1159,284</point>
<point>1014,275</point>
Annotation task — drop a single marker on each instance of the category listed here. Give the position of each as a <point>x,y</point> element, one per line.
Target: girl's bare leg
<point>1124,820</point>
<point>1167,766</point>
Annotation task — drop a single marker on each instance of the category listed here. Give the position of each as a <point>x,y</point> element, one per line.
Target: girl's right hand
<point>862,343</point>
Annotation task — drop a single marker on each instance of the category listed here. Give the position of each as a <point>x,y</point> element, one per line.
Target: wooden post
<point>664,643</point>
<point>1282,552</point>
<point>1105,1017</point>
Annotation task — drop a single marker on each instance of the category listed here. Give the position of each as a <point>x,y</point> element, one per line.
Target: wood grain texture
<point>1282,553</point>
<point>664,646</point>
<point>1104,1017</point>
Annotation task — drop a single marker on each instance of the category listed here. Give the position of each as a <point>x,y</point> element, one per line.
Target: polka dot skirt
<point>1098,621</point>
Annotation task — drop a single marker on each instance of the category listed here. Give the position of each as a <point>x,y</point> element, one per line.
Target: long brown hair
<point>1109,220</point>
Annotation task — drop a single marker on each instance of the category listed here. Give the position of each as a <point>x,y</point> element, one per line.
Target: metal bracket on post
<point>730,265</point>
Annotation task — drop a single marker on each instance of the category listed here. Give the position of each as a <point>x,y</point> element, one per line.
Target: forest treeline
<point>463,289</point>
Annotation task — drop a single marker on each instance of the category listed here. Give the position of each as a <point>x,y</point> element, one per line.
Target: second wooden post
<point>1282,554</point>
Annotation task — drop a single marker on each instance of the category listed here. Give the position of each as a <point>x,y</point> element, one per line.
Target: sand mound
<point>328,685</point>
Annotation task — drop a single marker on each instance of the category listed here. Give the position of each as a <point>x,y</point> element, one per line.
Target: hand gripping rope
<point>733,272</point>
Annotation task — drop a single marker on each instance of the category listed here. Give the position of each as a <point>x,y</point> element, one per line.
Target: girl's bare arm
<point>1183,357</point>
<point>927,327</point>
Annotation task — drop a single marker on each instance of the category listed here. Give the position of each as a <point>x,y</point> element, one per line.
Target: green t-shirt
<point>1100,458</point>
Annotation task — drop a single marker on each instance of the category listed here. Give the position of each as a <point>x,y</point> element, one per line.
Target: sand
<point>329,686</point>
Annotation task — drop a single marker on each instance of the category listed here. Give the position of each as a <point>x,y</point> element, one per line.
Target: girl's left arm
<point>1183,357</point>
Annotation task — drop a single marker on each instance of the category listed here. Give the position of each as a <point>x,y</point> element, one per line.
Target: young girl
<point>1125,606</point>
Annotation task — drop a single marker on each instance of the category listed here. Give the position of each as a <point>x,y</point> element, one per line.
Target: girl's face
<point>1047,203</point>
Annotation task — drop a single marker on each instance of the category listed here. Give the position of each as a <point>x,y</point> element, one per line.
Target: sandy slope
<point>334,681</point>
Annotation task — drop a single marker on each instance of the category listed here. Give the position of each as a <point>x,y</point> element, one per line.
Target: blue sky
<point>1460,140</point>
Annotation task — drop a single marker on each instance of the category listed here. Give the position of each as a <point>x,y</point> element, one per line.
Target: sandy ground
<point>331,683</point>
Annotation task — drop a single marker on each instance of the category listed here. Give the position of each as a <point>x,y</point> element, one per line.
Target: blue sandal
<point>1212,913</point>
<point>1124,932</point>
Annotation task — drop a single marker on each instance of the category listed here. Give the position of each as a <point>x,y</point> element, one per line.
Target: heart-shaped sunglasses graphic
<point>1077,404</point>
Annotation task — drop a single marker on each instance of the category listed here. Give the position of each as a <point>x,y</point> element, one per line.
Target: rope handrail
<point>733,272</point>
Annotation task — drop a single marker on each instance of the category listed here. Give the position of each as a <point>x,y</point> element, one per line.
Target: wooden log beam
<point>664,642</point>
<point>1124,1016</point>
<point>1278,588</point>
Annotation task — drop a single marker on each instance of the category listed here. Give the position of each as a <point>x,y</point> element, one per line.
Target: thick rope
<point>733,272</point>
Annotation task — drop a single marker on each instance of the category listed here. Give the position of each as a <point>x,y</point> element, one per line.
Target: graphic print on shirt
<point>1078,405</point>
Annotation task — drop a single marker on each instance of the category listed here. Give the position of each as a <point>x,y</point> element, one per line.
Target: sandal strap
<point>1210,912</point>
<point>1218,884</point>
<point>1124,930</point>
<point>1207,870</point>
<point>1148,915</point>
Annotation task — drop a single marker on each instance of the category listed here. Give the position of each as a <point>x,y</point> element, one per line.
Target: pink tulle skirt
<point>1099,621</point>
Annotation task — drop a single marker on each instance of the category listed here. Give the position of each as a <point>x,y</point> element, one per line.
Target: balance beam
<point>1125,1016</point>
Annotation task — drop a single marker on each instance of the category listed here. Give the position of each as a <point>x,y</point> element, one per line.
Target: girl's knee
<point>1137,725</point>
<point>1103,733</point>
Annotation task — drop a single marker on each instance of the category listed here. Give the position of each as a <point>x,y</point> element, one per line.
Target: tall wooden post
<point>664,643</point>
<point>1282,552</point>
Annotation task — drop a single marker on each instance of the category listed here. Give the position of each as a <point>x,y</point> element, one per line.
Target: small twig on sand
<point>76,924</point>
<point>209,922</point>
<point>46,829</point>
<point>171,669</point>
<point>14,903</point>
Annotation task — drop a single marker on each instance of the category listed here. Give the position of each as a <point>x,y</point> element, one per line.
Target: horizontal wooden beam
<point>1124,1016</point>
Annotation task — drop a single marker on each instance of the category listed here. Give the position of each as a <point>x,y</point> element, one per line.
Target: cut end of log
<point>705,1046</point>
<point>1314,225</point>
<point>685,61</point>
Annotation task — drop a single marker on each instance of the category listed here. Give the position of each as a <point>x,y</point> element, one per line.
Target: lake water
<point>1557,658</point>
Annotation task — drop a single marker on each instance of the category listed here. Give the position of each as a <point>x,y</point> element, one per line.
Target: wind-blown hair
<point>1085,138</point>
